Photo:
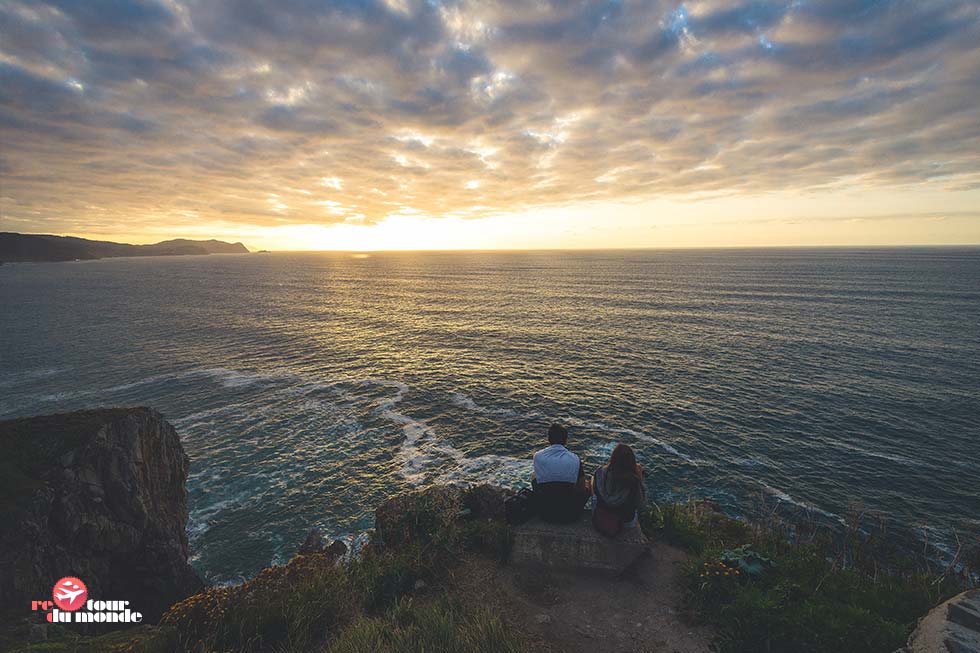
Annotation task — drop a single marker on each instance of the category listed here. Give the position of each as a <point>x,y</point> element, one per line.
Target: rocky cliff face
<point>98,495</point>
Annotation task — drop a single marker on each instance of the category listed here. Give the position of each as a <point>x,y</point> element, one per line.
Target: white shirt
<point>556,464</point>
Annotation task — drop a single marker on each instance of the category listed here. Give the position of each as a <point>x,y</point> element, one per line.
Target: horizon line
<point>623,249</point>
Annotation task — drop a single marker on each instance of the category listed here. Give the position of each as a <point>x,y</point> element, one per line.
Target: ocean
<point>307,387</point>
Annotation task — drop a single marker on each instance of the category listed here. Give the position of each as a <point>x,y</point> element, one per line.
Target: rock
<point>419,585</point>
<point>313,543</point>
<point>576,546</point>
<point>542,619</point>
<point>953,626</point>
<point>337,549</point>
<point>966,612</point>
<point>100,495</point>
<point>486,501</point>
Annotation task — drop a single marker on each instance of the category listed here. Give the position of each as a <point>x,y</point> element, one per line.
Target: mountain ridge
<point>17,247</point>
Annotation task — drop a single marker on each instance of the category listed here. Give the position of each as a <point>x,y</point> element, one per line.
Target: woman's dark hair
<point>622,465</point>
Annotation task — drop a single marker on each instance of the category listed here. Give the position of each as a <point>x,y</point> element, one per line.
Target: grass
<point>769,586</point>
<point>32,445</point>
<point>762,586</point>
<point>440,625</point>
<point>390,598</point>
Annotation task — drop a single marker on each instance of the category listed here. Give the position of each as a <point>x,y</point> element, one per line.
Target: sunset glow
<point>422,125</point>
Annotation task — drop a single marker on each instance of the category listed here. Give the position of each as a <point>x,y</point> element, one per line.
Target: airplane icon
<point>69,594</point>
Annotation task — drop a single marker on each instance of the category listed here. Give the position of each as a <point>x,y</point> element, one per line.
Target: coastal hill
<point>99,494</point>
<point>16,247</point>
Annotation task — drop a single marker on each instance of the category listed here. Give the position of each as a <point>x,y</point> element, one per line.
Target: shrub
<point>435,626</point>
<point>828,593</point>
<point>289,606</point>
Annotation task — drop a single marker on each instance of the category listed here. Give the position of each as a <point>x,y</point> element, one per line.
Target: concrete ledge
<point>576,546</point>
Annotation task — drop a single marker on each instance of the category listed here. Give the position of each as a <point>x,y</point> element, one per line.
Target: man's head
<point>557,434</point>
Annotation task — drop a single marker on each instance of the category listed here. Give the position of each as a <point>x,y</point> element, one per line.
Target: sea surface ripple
<point>307,387</point>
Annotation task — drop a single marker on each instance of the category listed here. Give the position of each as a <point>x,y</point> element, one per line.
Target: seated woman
<point>619,493</point>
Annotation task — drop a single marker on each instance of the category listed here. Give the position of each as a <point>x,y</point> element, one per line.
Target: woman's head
<point>622,462</point>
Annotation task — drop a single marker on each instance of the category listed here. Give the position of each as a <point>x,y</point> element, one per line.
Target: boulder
<point>315,544</point>
<point>486,501</point>
<point>576,546</point>
<point>99,495</point>
<point>953,627</point>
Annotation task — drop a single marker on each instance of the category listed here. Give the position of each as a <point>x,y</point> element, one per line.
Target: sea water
<point>308,387</point>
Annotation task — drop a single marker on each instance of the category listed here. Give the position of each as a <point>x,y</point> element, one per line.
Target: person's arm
<point>582,484</point>
<point>642,493</point>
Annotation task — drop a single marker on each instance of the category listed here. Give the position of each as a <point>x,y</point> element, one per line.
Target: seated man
<point>560,487</point>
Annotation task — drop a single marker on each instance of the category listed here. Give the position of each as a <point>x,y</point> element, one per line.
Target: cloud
<point>116,112</point>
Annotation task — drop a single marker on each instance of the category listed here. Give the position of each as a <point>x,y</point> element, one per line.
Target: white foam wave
<point>12,379</point>
<point>422,448</point>
<point>198,520</point>
<point>228,378</point>
<point>463,401</point>
<point>879,454</point>
<point>786,498</point>
<point>194,419</point>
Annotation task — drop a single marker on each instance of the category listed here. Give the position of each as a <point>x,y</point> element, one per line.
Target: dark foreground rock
<point>98,495</point>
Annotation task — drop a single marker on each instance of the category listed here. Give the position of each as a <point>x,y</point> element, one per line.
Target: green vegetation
<point>145,639</point>
<point>392,597</point>
<point>772,587</point>
<point>32,445</point>
<point>760,587</point>
<point>441,625</point>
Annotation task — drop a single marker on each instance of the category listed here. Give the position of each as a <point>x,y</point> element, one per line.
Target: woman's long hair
<point>622,466</point>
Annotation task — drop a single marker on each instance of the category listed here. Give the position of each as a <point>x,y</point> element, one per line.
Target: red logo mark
<point>69,594</point>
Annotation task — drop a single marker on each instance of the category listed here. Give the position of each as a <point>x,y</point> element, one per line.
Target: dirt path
<point>570,611</point>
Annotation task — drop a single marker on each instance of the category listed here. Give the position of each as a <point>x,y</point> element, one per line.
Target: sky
<point>301,124</point>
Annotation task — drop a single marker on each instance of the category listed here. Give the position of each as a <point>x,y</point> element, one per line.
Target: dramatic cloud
<point>298,112</point>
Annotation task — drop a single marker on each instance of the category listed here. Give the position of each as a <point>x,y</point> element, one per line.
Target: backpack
<point>519,508</point>
<point>606,521</point>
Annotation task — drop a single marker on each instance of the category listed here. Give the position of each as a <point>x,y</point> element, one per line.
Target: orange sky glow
<point>378,125</point>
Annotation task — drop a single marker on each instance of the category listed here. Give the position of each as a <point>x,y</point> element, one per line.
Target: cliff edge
<point>96,494</point>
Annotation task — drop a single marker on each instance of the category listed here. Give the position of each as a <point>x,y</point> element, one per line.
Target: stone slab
<point>951,627</point>
<point>576,546</point>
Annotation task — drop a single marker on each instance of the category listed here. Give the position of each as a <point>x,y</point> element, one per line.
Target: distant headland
<point>16,247</point>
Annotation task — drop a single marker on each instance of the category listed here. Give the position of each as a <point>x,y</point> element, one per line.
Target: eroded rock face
<point>102,498</point>
<point>953,627</point>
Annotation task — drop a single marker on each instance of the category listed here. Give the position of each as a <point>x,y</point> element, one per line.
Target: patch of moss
<point>31,445</point>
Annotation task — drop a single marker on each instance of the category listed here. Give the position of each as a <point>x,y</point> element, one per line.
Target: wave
<point>463,401</point>
<point>228,378</point>
<point>13,379</point>
<point>782,496</point>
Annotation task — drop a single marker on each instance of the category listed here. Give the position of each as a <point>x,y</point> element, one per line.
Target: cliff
<point>99,495</point>
<point>40,247</point>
